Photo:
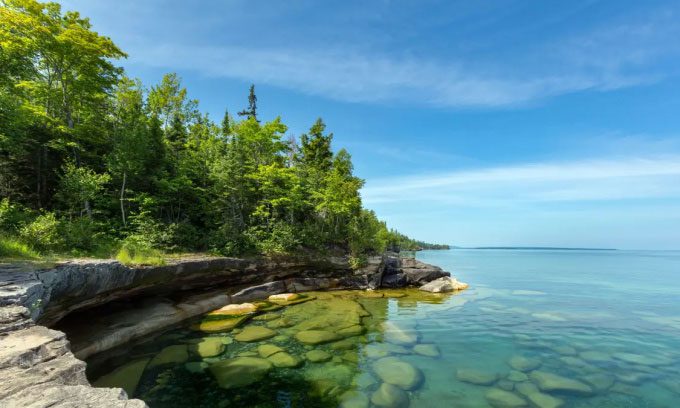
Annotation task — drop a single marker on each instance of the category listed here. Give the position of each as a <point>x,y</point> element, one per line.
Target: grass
<point>12,249</point>
<point>137,257</point>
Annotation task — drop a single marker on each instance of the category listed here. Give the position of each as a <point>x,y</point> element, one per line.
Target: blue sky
<point>474,123</point>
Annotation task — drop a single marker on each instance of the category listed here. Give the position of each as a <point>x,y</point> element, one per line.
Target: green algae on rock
<point>254,333</point>
<point>171,355</point>
<point>126,377</point>
<point>316,336</point>
<point>318,356</point>
<point>221,325</point>
<point>208,347</point>
<point>240,371</point>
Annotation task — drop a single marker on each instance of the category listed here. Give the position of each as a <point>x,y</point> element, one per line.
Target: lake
<point>537,328</point>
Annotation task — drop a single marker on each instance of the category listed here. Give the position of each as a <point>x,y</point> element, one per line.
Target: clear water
<point>607,323</point>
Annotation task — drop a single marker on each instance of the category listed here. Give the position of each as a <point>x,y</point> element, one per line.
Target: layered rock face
<point>39,361</point>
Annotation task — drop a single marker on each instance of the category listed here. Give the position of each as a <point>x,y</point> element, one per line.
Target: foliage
<point>92,159</point>
<point>42,233</point>
<point>14,249</point>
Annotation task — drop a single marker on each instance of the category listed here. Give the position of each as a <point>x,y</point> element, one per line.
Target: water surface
<point>537,328</point>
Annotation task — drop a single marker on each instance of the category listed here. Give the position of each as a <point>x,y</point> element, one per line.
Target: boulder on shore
<point>445,284</point>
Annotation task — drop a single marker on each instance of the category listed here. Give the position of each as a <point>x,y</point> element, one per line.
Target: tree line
<point>92,161</point>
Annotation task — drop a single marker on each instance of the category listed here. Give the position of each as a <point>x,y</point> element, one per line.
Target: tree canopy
<point>91,159</point>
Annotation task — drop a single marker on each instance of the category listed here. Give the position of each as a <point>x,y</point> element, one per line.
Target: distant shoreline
<point>539,248</point>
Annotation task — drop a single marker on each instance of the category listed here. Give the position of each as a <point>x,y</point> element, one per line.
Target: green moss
<point>137,257</point>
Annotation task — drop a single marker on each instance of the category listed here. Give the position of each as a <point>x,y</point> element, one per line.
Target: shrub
<point>280,239</point>
<point>12,216</point>
<point>14,249</point>
<point>43,233</point>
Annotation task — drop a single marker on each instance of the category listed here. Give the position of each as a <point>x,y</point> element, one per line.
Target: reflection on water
<point>532,331</point>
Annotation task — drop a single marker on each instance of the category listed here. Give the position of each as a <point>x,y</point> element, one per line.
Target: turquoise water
<point>536,329</point>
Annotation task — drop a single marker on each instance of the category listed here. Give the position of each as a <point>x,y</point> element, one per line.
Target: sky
<point>474,123</point>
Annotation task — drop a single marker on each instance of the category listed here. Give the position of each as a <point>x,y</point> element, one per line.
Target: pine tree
<point>226,125</point>
<point>251,112</point>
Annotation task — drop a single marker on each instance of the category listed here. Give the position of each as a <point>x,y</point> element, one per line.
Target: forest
<point>95,163</point>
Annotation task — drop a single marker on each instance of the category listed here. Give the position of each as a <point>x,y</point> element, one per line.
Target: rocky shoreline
<point>43,369</point>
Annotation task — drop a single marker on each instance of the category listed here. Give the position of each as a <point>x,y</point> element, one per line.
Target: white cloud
<point>587,180</point>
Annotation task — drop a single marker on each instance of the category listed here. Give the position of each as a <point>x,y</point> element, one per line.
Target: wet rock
<point>126,377</point>
<point>314,337</point>
<point>266,350</point>
<point>396,280</point>
<point>445,284</point>
<point>427,350</point>
<point>254,333</point>
<point>170,355</point>
<point>389,396</point>
<point>353,399</point>
<point>208,347</point>
<point>240,371</point>
<point>398,372</point>
<point>522,363</point>
<point>221,325</point>
<point>318,356</point>
<point>472,376</point>
<point>504,399</point>
<point>283,297</point>
<point>555,383</point>
<point>259,291</point>
<point>284,360</point>
<point>235,309</point>
<point>517,376</point>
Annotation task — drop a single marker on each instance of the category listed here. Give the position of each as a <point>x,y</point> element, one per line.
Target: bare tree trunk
<point>122,198</point>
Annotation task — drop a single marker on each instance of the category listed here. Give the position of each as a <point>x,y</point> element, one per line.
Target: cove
<point>535,329</point>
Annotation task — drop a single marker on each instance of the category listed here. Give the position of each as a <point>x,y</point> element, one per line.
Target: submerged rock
<point>170,355</point>
<point>389,396</point>
<point>517,376</point>
<point>318,356</point>
<point>504,399</point>
<point>642,359</point>
<point>555,383</point>
<point>533,394</point>
<point>599,381</point>
<point>126,377</point>
<point>339,374</point>
<point>266,350</point>
<point>396,334</point>
<point>221,325</point>
<point>522,363</point>
<point>398,372</point>
<point>427,350</point>
<point>316,336</point>
<point>353,399</point>
<point>472,376</point>
<point>240,371</point>
<point>208,347</point>
<point>255,333</point>
<point>595,356</point>
<point>354,330</point>
<point>196,366</point>
<point>283,359</point>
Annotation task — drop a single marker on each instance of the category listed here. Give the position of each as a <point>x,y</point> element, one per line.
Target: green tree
<point>80,185</point>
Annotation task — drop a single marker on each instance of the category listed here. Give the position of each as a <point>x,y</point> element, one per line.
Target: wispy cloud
<point>608,57</point>
<point>587,180</point>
